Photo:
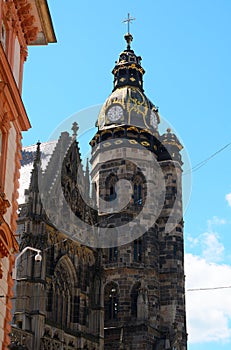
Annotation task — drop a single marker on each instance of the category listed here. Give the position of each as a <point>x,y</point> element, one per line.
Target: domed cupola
<point>127,104</point>
<point>127,112</point>
<point>170,147</point>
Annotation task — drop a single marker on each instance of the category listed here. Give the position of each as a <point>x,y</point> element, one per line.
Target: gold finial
<point>169,130</point>
<point>128,37</point>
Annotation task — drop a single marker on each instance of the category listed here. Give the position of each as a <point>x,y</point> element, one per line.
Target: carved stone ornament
<point>4,203</point>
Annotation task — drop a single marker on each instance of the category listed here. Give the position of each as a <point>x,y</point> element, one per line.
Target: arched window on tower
<point>110,187</point>
<point>138,190</point>
<point>134,297</point>
<point>137,250</point>
<point>111,299</point>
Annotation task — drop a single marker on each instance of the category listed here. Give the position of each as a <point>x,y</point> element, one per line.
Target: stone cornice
<point>46,21</point>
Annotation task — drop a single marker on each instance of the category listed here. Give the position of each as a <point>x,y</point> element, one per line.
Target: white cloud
<point>208,311</point>
<point>228,198</point>
<point>211,249</point>
<point>208,242</point>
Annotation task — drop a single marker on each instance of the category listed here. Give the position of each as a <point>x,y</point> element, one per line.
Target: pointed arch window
<point>65,305</point>
<point>138,189</point>
<point>134,298</point>
<point>111,300</point>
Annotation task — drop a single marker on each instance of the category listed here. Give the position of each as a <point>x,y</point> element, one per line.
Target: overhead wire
<point>206,288</point>
<point>205,161</point>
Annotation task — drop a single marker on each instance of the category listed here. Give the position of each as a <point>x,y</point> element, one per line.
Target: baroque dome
<point>127,104</point>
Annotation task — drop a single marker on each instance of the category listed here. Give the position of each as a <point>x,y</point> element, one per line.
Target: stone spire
<point>34,187</point>
<point>32,193</point>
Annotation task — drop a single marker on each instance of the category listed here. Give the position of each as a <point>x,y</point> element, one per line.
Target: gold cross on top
<point>128,21</point>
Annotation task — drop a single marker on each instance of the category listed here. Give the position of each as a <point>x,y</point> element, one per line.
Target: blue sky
<point>186,51</point>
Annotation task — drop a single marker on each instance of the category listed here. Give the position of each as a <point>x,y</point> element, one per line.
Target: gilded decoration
<point>136,109</point>
<point>170,139</point>
<point>133,107</point>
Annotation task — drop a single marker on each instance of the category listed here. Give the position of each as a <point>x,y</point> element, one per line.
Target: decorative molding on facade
<point>11,95</point>
<point>20,338</point>
<point>4,204</point>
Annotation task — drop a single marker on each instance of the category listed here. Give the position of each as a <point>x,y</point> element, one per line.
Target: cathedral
<point>110,234</point>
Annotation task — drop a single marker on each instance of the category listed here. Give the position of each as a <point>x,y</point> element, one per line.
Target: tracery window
<point>111,300</point>
<point>62,303</point>
<point>137,190</point>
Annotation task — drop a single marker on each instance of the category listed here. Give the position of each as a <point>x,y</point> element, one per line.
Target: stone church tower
<point>127,290</point>
<point>144,306</point>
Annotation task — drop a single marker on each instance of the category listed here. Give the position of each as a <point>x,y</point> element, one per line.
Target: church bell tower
<point>136,173</point>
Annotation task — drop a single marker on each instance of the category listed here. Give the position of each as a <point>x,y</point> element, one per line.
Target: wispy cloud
<point>214,222</point>
<point>228,198</point>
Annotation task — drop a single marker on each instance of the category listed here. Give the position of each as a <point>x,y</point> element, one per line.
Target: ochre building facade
<point>22,23</point>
